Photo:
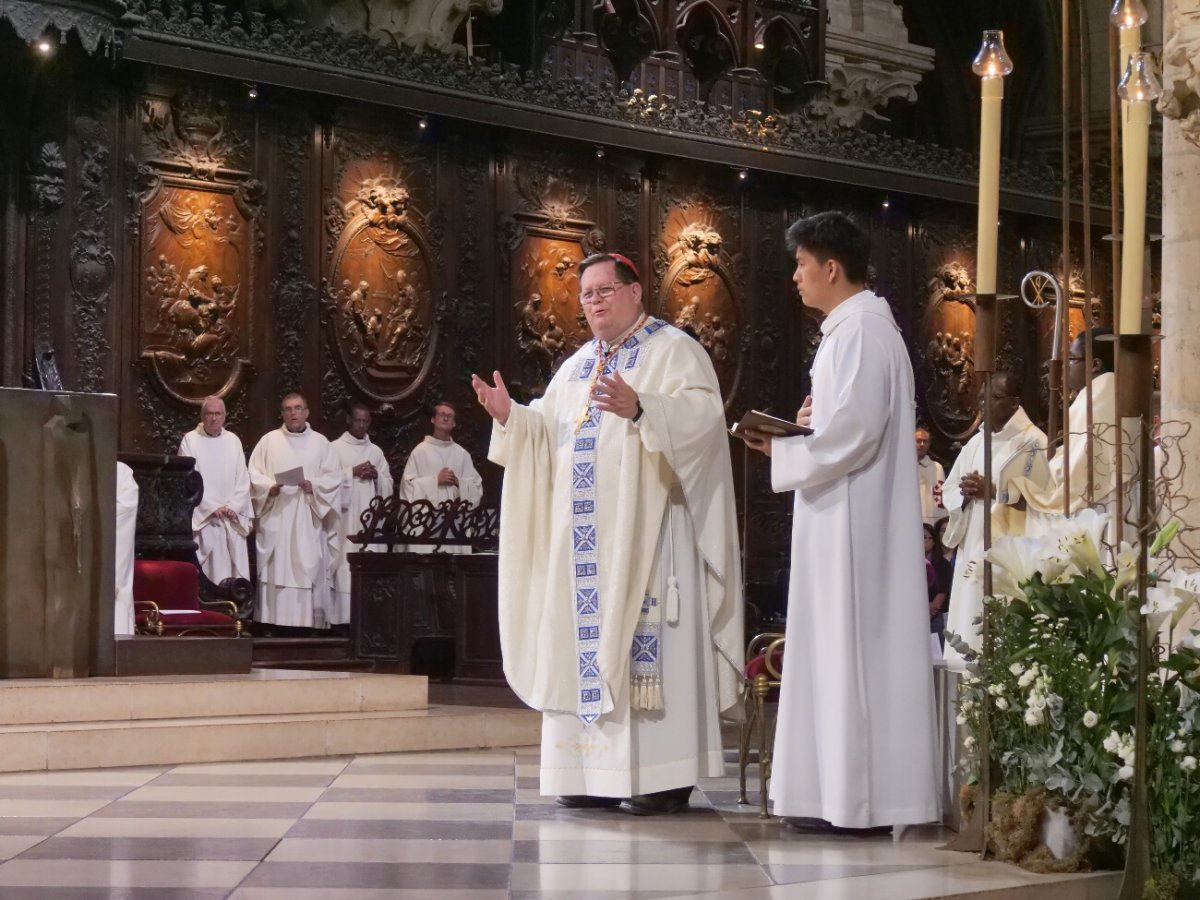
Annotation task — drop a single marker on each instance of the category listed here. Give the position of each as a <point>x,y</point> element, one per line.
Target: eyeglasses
<point>600,292</point>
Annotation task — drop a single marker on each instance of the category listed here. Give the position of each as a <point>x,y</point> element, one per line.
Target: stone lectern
<point>58,460</point>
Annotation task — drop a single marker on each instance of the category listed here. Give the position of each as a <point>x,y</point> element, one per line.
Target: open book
<point>767,424</point>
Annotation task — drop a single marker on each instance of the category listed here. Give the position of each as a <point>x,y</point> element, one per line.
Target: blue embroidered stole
<point>584,541</point>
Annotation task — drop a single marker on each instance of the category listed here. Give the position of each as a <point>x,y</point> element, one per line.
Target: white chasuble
<point>127,507</point>
<point>1046,500</point>
<point>1018,457</point>
<point>931,475</point>
<point>221,543</point>
<point>420,481</point>
<point>297,533</point>
<point>620,582</point>
<point>856,740</point>
<point>356,496</point>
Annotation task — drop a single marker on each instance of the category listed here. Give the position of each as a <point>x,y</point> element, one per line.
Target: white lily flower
<point>1001,704</point>
<point>1014,561</point>
<point>1081,537</point>
<point>1127,560</point>
<point>1160,603</point>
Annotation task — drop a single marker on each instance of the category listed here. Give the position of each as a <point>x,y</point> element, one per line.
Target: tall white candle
<point>989,184</point>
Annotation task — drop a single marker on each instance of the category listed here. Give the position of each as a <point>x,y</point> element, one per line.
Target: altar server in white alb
<point>620,582</point>
<point>222,521</point>
<point>365,476</point>
<point>127,508</point>
<point>439,470</point>
<point>1018,457</point>
<point>297,534</point>
<point>855,745</point>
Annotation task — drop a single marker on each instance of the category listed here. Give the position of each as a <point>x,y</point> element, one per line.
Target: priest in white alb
<point>856,740</point>
<point>620,584</point>
<point>1047,502</point>
<point>127,508</point>
<point>295,482</point>
<point>222,521</point>
<point>930,476</point>
<point>438,470</point>
<point>365,476</point>
<point>1018,458</point>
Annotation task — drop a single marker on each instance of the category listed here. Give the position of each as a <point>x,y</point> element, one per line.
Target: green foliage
<point>1060,685</point>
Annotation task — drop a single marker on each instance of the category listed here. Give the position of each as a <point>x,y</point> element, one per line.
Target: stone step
<point>140,742</point>
<point>159,697</point>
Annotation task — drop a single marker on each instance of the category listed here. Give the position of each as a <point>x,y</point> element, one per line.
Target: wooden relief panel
<point>697,288</point>
<point>946,347</point>
<point>379,302</point>
<point>199,227</point>
<point>550,231</point>
<point>548,319</point>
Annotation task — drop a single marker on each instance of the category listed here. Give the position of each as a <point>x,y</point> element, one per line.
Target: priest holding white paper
<point>365,476</point>
<point>1018,457</point>
<point>438,470</point>
<point>295,482</point>
<point>222,520</point>
<point>620,583</point>
<point>855,745</point>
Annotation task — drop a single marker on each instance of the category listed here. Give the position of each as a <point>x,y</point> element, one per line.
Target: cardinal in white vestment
<point>930,475</point>
<point>297,533</point>
<point>439,470</point>
<point>1046,502</point>
<point>855,744</point>
<point>620,584</point>
<point>1018,455</point>
<point>365,476</point>
<point>127,507</point>
<point>222,521</point>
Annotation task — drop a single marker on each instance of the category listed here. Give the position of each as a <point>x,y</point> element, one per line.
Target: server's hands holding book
<point>757,429</point>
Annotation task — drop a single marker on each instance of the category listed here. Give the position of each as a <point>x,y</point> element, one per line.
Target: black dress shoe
<point>660,803</point>
<point>585,801</point>
<point>806,825</point>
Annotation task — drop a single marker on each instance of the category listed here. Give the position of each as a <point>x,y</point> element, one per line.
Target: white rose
<point>960,719</point>
<point>1112,742</point>
<point>1090,719</point>
<point>1034,716</point>
<point>1125,773</point>
<point>968,742</point>
<point>1001,703</point>
<point>1016,668</point>
<point>1178,746</point>
<point>1188,764</point>
<point>1027,679</point>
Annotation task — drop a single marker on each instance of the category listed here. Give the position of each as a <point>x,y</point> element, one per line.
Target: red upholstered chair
<point>761,679</point>
<point>167,601</point>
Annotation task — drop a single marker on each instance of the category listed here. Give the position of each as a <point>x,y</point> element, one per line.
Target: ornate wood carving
<point>92,265</point>
<point>292,293</point>
<point>947,352</point>
<point>200,237</point>
<point>697,287</point>
<point>381,302</point>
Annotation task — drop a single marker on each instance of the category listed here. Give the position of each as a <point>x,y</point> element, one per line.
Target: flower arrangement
<point>1060,684</point>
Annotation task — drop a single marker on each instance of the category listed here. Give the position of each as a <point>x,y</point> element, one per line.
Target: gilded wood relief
<point>200,232</point>
<point>381,292</point>
<point>698,290</point>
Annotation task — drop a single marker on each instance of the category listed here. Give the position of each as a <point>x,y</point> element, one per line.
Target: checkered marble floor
<point>422,825</point>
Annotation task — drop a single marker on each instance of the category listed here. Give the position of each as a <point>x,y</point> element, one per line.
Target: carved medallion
<point>196,250</point>
<point>699,294</point>
<point>547,317</point>
<point>378,303</point>
<point>946,351</point>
